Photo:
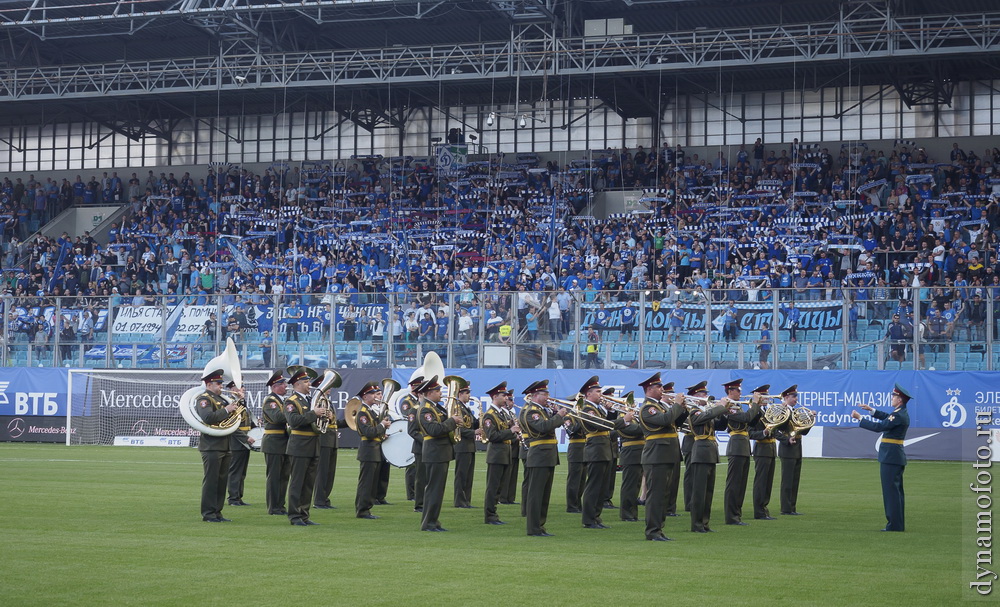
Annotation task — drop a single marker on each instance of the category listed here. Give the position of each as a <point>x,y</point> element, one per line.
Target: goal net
<point>129,407</point>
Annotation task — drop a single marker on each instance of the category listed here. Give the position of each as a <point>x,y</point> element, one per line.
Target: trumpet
<point>573,410</point>
<point>621,405</point>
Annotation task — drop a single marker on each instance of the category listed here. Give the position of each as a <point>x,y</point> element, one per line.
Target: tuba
<point>229,362</point>
<point>389,389</point>
<point>320,398</point>
<point>454,384</point>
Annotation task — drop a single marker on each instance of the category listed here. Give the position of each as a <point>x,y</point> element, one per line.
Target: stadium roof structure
<point>142,65</point>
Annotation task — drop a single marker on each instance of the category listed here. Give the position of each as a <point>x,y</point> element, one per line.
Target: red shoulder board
<point>429,417</point>
<point>364,419</point>
<point>290,408</point>
<point>535,417</point>
<point>651,410</point>
<point>203,403</point>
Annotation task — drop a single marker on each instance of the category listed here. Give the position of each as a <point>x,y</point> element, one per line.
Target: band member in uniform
<point>764,453</point>
<point>500,433</point>
<point>738,452</point>
<point>465,452</point>
<point>518,451</point>
<point>704,457</point>
<point>576,472</point>
<point>891,457</point>
<point>303,444</point>
<point>539,423</point>
<point>597,454</point>
<point>661,454</point>
<point>371,425</point>
<point>630,460</point>
<point>609,492</point>
<point>436,427</point>
<point>277,465</point>
<point>239,449</point>
<point>674,482</point>
<point>790,452</point>
<point>326,467</point>
<point>212,408</point>
<point>686,444</point>
<point>416,480</point>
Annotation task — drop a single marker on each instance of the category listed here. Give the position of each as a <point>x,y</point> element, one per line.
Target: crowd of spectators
<point>798,222</point>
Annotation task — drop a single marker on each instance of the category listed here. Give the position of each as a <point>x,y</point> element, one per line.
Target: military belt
<point>892,441</point>
<point>544,441</point>
<point>576,441</point>
<point>633,443</point>
<point>662,435</point>
<point>274,432</point>
<point>304,433</point>
<point>711,438</point>
<point>765,441</point>
<point>377,439</point>
<point>739,432</point>
<point>244,428</point>
<point>597,434</point>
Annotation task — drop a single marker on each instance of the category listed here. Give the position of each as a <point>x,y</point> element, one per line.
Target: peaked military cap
<point>701,386</point>
<point>541,385</point>
<point>651,381</point>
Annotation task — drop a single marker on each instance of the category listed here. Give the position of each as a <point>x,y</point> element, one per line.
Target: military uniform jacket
<point>632,442</point>
<point>577,436</point>
<point>705,450</point>
<point>659,422</point>
<point>598,439</point>
<point>275,429</point>
<point>238,439</point>
<point>212,410</point>
<point>787,449</point>
<point>496,429</point>
<point>739,433</point>
<point>409,406</point>
<point>893,426</point>
<point>540,427</point>
<point>436,425</point>
<point>372,433</point>
<point>303,440</point>
<point>764,445</point>
<point>468,430</point>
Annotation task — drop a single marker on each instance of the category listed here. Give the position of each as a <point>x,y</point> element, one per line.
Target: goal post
<point>123,406</point>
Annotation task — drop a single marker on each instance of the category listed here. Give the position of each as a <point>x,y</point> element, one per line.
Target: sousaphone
<point>229,362</point>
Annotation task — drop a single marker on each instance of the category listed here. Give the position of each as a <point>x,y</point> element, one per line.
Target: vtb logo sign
<point>30,403</point>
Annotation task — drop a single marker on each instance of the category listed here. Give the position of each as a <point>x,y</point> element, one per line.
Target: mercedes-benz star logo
<point>139,428</point>
<point>16,427</point>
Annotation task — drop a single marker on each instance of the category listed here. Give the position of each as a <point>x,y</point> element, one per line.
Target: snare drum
<point>257,434</point>
<point>398,445</point>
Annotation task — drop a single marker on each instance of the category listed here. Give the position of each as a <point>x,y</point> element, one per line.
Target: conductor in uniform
<point>371,425</point>
<point>212,408</point>
<point>790,452</point>
<point>500,433</point>
<point>276,463</point>
<point>661,453</point>
<point>891,457</point>
<point>738,451</point>
<point>704,457</point>
<point>539,424</point>
<point>436,427</point>
<point>764,454</point>
<point>303,444</point>
<point>465,451</point>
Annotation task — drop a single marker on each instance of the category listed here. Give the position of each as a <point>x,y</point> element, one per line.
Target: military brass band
<point>300,427</point>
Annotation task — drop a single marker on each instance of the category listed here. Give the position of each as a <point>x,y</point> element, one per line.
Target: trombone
<point>621,405</point>
<point>573,410</point>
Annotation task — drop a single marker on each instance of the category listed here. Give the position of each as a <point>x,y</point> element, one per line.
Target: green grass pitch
<point>121,526</point>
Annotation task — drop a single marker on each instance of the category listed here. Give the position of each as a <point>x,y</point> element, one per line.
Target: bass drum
<point>257,434</point>
<point>398,445</point>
